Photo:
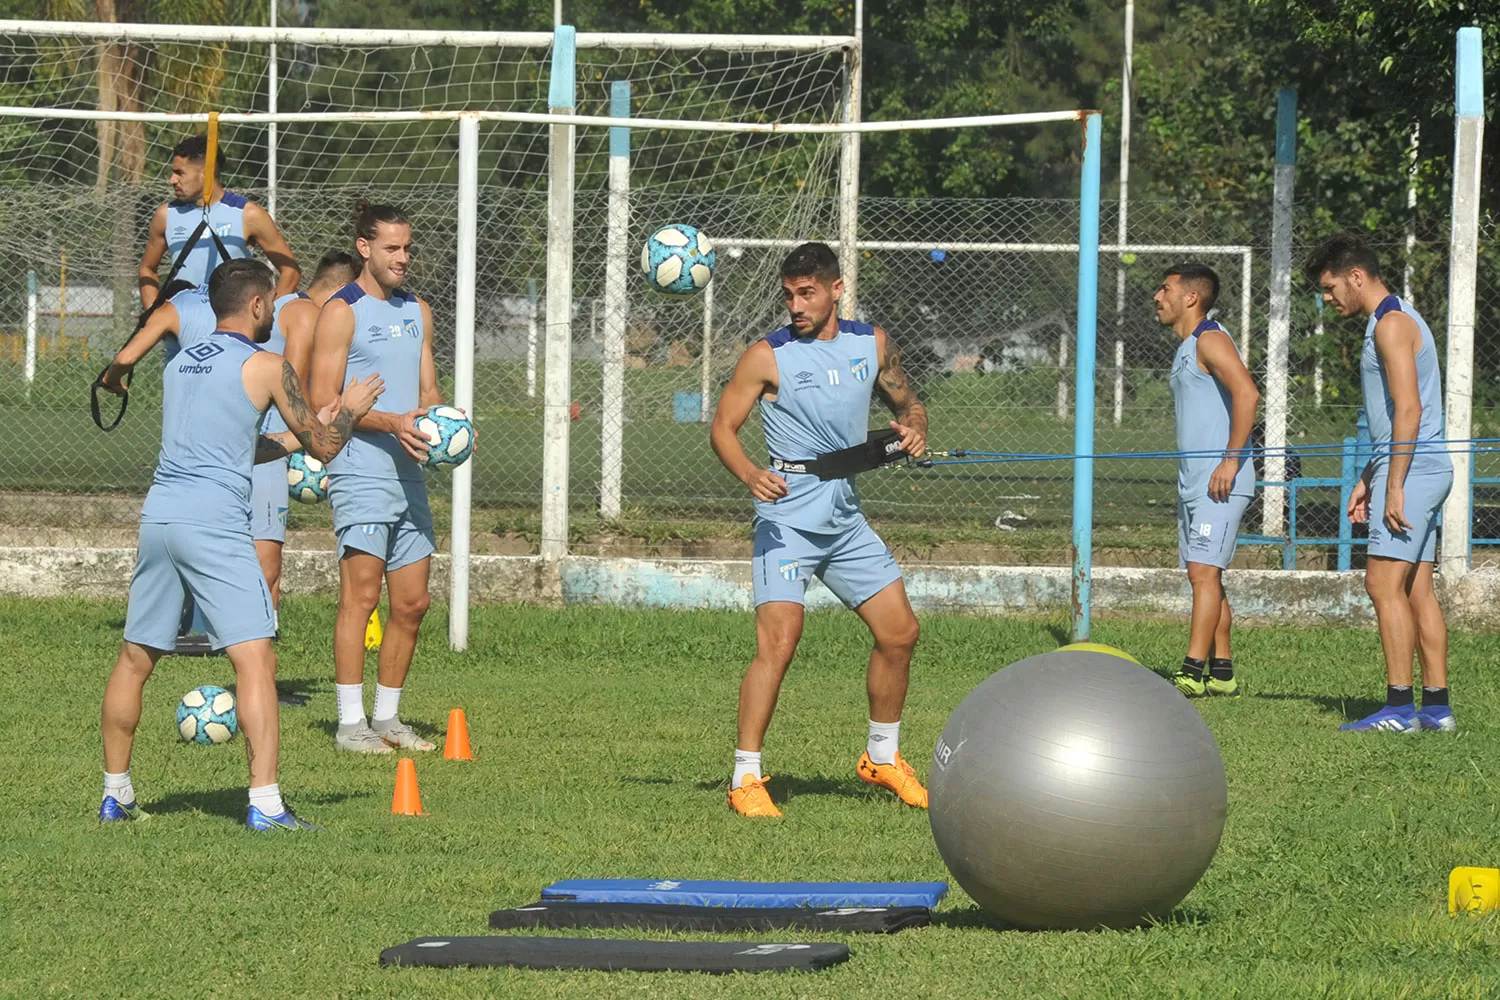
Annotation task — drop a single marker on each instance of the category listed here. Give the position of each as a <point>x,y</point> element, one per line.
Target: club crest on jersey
<point>788,568</point>
<point>224,229</point>
<point>860,368</point>
<point>410,328</point>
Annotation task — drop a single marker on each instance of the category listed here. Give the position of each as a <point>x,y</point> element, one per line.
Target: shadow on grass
<point>1349,708</point>
<point>291,693</point>
<point>973,918</point>
<point>232,802</point>
<point>1059,634</point>
<point>785,788</point>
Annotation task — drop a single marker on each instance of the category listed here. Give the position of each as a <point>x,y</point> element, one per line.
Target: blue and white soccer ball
<point>207,715</point>
<point>678,260</point>
<point>306,478</point>
<point>449,434</point>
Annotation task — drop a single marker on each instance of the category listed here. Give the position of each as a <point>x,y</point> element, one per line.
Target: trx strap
<point>168,290</point>
<point>880,448</point>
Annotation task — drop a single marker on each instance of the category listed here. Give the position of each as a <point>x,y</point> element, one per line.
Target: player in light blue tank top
<point>813,379</point>
<point>239,223</point>
<point>1214,398</point>
<point>291,336</point>
<point>376,484</point>
<point>1401,492</point>
<point>195,537</point>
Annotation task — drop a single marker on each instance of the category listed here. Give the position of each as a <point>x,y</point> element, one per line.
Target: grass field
<point>603,742</point>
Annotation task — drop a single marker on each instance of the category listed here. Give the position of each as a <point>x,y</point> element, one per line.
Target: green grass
<point>603,742</point>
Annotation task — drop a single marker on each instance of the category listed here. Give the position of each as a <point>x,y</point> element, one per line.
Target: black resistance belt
<point>880,448</point>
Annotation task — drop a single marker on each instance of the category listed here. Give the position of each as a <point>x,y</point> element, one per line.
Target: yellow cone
<point>1473,890</point>
<point>1098,647</point>
<point>372,631</point>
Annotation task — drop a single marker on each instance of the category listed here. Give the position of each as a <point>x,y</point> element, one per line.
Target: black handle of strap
<point>170,289</point>
<point>94,399</point>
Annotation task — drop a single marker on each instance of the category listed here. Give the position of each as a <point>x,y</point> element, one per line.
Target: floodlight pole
<point>1463,263</point>
<point>1122,237</point>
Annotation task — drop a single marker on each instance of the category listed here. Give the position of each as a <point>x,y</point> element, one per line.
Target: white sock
<point>885,740</point>
<point>276,619</point>
<point>119,788</point>
<point>746,764</point>
<point>267,798</point>
<point>351,699</point>
<point>387,700</point>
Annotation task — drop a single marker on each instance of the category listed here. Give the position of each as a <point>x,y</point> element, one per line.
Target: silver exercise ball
<point>1077,790</point>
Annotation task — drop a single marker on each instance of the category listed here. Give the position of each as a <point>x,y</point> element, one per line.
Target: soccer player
<point>1215,400</point>
<point>1401,491</point>
<point>239,223</point>
<point>813,380</point>
<point>195,530</point>
<point>291,336</point>
<point>379,495</point>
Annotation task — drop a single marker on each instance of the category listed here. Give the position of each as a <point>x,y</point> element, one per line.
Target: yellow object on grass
<point>1473,890</point>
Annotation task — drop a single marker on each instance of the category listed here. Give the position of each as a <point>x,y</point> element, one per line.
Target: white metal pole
<point>531,338</point>
<point>558,374</point>
<point>705,379</point>
<point>1278,336</point>
<point>30,370</point>
<point>1246,271</point>
<point>1125,75</point>
<point>1411,207</point>
<point>271,128</point>
<point>849,167</point>
<point>1463,262</point>
<point>616,308</point>
<point>463,377</point>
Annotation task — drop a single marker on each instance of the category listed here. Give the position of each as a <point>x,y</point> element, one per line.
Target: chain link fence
<point>986,334</point>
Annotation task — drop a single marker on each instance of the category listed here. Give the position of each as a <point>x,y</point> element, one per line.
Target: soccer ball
<point>449,434</point>
<point>207,715</point>
<point>678,260</point>
<point>306,478</point>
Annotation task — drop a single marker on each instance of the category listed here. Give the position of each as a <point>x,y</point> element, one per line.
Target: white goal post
<point>565,131</point>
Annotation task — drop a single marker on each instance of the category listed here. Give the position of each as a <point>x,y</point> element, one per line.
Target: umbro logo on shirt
<point>202,352</point>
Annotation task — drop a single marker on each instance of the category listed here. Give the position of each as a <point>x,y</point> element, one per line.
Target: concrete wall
<point>1257,595</point>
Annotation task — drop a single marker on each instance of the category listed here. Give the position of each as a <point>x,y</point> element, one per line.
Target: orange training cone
<point>456,747</point>
<point>407,800</point>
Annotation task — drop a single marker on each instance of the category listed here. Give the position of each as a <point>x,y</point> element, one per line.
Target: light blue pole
<point>1083,380</point>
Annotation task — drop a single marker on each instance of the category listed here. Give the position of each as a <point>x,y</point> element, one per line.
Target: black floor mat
<point>614,955</point>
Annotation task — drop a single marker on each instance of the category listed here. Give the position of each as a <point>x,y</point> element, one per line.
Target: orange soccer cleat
<point>751,799</point>
<point>898,777</point>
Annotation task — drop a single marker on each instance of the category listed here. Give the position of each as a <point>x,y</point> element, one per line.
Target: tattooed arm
<point>323,433</point>
<point>271,447</point>
<point>899,394</point>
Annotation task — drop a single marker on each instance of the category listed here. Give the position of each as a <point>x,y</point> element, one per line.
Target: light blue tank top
<point>1381,409</point>
<point>388,341</point>
<point>227,216</point>
<point>208,431</point>
<point>195,321</point>
<point>276,344</point>
<point>822,404</point>
<point>1204,411</point>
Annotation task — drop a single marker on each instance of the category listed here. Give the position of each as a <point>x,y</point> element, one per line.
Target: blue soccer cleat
<point>1388,719</point>
<point>287,821</point>
<point>1437,719</point>
<point>112,810</point>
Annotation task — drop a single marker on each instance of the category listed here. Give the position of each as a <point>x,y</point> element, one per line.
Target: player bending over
<point>1401,492</point>
<point>813,380</point>
<point>239,223</point>
<point>195,530</point>
<point>1215,400</point>
<point>379,495</point>
<point>291,336</point>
